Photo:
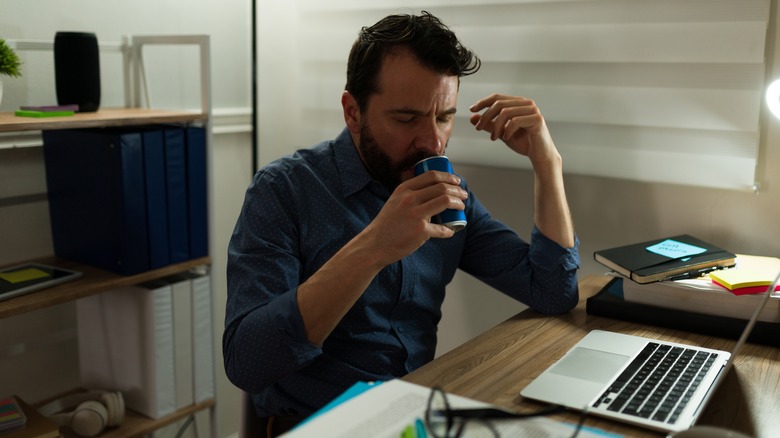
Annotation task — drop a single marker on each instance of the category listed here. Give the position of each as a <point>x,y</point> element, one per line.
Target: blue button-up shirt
<point>298,212</point>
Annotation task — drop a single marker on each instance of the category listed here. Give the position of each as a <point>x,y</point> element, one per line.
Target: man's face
<point>408,119</point>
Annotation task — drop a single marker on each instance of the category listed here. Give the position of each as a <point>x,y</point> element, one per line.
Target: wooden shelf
<point>93,282</point>
<point>136,425</point>
<point>108,117</point>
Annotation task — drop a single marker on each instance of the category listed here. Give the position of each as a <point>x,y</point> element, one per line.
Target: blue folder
<point>156,198</point>
<point>197,192</point>
<point>97,201</point>
<point>176,190</point>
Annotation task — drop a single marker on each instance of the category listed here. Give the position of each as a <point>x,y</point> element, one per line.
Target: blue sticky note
<point>674,249</point>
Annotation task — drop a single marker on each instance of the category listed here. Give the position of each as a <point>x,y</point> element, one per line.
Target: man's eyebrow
<point>414,112</point>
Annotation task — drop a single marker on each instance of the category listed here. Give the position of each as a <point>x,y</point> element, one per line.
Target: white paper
<point>385,410</point>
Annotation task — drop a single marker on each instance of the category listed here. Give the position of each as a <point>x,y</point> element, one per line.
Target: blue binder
<point>156,198</point>
<point>176,188</point>
<point>97,201</point>
<point>197,192</point>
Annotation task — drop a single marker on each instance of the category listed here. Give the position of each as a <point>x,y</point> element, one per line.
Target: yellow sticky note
<point>738,278</point>
<point>23,275</point>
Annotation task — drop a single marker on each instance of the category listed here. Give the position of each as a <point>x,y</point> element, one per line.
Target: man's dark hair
<point>431,42</point>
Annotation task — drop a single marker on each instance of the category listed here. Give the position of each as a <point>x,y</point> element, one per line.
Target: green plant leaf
<point>10,64</point>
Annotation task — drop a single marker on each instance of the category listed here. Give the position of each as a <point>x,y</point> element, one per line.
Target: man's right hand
<point>404,224</point>
<point>401,227</point>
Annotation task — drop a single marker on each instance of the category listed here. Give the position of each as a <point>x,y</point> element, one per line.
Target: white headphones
<point>94,411</point>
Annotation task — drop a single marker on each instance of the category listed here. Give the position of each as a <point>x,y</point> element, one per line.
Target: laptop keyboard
<point>658,383</point>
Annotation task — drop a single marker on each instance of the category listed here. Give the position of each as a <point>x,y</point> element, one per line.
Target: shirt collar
<point>354,175</point>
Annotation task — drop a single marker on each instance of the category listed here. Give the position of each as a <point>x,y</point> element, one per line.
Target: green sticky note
<point>22,275</point>
<point>674,249</point>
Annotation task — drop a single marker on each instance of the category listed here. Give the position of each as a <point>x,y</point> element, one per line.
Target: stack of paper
<point>701,295</point>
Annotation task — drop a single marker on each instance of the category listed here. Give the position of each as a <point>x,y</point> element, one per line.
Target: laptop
<point>646,382</point>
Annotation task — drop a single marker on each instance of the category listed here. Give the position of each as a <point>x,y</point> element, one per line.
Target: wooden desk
<point>496,365</point>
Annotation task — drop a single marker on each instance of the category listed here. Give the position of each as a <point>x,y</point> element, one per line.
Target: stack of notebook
<point>705,295</point>
<point>685,283</point>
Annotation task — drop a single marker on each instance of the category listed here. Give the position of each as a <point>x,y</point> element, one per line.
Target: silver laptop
<point>656,384</point>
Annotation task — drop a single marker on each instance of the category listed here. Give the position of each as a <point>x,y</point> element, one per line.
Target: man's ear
<point>351,112</point>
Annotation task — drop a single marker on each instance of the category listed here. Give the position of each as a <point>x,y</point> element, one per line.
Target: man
<point>336,273</point>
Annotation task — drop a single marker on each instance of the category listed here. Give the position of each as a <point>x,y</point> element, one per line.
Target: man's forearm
<point>551,209</point>
<point>328,295</point>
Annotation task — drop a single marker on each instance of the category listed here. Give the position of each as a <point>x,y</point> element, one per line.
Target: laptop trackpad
<point>592,365</point>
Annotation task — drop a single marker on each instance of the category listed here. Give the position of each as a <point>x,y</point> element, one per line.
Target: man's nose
<point>430,139</point>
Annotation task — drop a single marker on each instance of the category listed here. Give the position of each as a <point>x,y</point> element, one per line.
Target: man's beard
<point>380,165</point>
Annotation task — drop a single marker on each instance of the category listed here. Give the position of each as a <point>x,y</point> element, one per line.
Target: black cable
<point>578,428</point>
<point>183,427</point>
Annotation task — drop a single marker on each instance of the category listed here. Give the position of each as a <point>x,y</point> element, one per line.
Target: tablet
<point>29,277</point>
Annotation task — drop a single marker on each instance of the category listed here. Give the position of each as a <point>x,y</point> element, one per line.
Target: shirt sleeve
<point>264,338</point>
<point>541,274</point>
<point>547,253</point>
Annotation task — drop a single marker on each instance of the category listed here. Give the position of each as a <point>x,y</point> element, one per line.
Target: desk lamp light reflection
<point>773,98</point>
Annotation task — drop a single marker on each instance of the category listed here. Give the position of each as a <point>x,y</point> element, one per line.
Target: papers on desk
<point>385,410</point>
<point>701,295</point>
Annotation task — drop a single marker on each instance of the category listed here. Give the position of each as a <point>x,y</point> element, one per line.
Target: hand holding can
<point>452,219</point>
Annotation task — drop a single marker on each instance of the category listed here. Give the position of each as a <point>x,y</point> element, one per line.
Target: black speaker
<point>77,70</point>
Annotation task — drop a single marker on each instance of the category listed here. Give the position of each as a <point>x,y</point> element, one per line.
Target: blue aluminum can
<point>452,219</point>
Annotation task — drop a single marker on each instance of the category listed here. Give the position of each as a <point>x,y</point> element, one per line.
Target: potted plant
<point>9,64</point>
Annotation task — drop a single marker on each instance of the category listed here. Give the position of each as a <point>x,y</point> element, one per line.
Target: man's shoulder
<point>302,159</point>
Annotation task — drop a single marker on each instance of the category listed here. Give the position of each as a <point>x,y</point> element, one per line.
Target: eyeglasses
<point>445,422</point>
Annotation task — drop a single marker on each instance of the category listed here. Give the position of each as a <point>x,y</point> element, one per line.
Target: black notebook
<point>671,258</point>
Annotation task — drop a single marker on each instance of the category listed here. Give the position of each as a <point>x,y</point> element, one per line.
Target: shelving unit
<point>111,117</point>
<point>95,281</point>
<point>136,425</point>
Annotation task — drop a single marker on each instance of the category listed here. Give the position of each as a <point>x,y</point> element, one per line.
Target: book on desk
<point>666,258</point>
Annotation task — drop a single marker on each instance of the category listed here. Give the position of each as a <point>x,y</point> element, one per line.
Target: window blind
<point>662,91</point>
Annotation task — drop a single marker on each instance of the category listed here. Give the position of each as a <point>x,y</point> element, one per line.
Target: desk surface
<point>494,367</point>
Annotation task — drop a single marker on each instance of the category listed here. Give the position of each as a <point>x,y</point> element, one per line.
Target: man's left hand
<point>518,122</point>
